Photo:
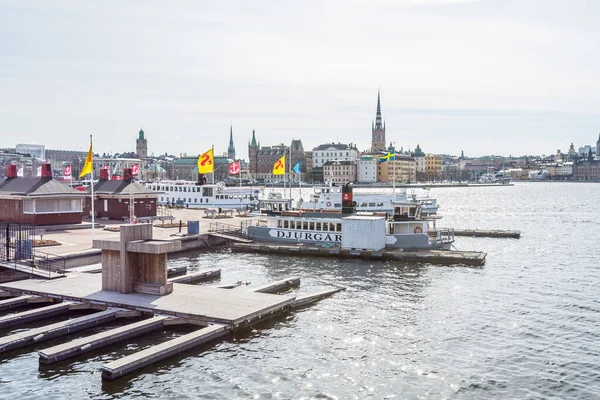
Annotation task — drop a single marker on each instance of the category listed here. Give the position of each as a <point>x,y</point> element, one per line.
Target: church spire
<point>378,116</point>
<point>231,148</point>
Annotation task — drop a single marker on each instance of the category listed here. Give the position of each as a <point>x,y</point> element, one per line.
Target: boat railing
<point>230,230</point>
<point>444,235</point>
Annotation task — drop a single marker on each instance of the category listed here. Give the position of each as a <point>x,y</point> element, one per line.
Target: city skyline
<point>486,77</point>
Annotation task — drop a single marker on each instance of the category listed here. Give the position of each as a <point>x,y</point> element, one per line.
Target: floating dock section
<point>446,257</point>
<point>482,233</point>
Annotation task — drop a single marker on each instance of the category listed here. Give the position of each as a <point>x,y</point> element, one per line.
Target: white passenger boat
<point>194,195</point>
<point>330,198</point>
<point>404,228</point>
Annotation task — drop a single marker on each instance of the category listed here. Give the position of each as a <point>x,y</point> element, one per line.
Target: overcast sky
<point>487,77</point>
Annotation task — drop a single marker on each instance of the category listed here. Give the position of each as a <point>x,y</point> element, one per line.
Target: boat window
<point>305,225</point>
<point>337,205</point>
<point>311,226</point>
<point>371,204</point>
<point>331,227</point>
<point>338,227</point>
<point>318,226</point>
<point>363,204</point>
<point>325,226</point>
<point>190,200</point>
<point>195,199</point>
<point>279,223</point>
<point>379,204</point>
<point>207,191</point>
<point>285,224</point>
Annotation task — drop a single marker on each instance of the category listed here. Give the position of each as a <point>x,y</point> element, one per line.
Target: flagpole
<point>290,169</point>
<point>394,184</point>
<point>213,154</point>
<point>92,185</point>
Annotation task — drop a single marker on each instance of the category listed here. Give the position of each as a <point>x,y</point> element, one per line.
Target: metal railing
<point>230,230</point>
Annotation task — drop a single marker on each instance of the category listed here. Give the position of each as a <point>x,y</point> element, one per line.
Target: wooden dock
<point>446,257</point>
<point>482,233</point>
<point>196,303</point>
<point>102,339</point>
<point>37,335</point>
<point>197,276</point>
<point>215,311</point>
<point>135,361</point>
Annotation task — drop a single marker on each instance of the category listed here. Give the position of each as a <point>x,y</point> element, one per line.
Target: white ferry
<point>330,198</point>
<point>404,228</point>
<point>194,195</point>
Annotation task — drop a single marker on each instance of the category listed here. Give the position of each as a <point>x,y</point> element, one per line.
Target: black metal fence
<point>18,250</point>
<point>16,242</point>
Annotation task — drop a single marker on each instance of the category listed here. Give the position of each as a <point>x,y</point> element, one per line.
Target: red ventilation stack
<point>127,174</point>
<point>103,174</point>
<point>11,171</point>
<point>46,171</point>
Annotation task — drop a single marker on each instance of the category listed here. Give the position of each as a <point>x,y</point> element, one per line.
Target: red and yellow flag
<point>88,167</point>
<point>279,166</point>
<point>206,162</point>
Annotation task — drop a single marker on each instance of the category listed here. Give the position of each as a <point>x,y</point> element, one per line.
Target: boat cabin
<point>274,206</point>
<point>406,211</point>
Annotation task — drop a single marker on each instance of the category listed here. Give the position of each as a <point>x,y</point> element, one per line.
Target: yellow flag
<point>279,166</point>
<point>88,166</point>
<point>206,162</point>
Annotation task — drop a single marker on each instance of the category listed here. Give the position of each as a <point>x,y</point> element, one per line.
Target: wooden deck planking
<point>130,363</point>
<point>310,298</point>
<point>36,335</point>
<point>204,304</point>
<point>275,287</point>
<point>14,302</point>
<point>197,276</point>
<point>102,339</point>
<point>34,315</point>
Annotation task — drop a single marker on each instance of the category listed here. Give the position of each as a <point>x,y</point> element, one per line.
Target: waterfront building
<point>366,169</point>
<point>59,159</point>
<point>378,130</point>
<point>333,152</point>
<point>572,151</point>
<point>598,147</point>
<point>253,147</point>
<point>405,169</point>
<point>141,145</point>
<point>433,166</point>
<point>231,148</point>
<point>587,170</point>
<point>34,150</point>
<point>39,201</point>
<point>419,157</point>
<point>262,159</point>
<point>112,198</point>
<point>339,172</point>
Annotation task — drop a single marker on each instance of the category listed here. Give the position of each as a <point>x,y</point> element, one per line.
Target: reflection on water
<point>523,326</point>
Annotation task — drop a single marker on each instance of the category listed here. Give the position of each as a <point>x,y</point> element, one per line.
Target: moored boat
<point>192,194</point>
<point>404,228</point>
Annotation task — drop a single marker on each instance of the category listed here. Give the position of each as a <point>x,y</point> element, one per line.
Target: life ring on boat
<point>219,189</point>
<point>328,204</point>
<point>133,220</point>
<point>418,229</point>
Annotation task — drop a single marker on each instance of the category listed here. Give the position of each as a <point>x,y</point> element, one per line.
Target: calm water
<point>526,325</point>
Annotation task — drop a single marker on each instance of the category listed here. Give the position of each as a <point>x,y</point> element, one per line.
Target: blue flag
<point>297,167</point>
<point>388,157</point>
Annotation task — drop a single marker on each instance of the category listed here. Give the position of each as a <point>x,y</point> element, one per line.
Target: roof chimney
<point>11,171</point>
<point>127,174</point>
<point>103,174</point>
<point>46,171</point>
